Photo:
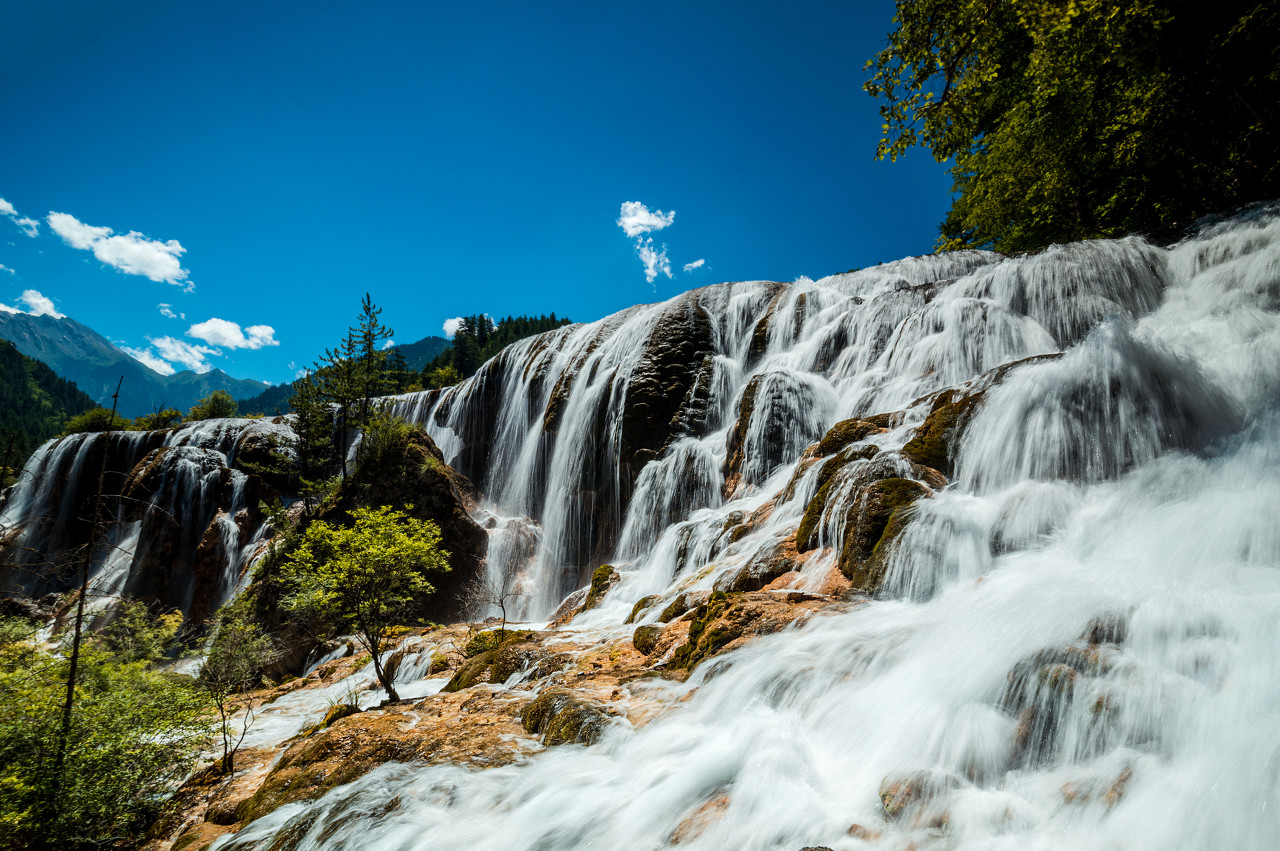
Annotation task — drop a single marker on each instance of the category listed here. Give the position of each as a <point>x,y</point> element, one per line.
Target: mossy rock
<point>642,604</point>
<point>492,639</point>
<point>674,609</point>
<point>806,534</point>
<point>560,718</point>
<point>884,512</point>
<point>705,636</point>
<point>336,712</point>
<point>932,445</point>
<point>844,433</point>
<point>603,578</point>
<point>645,638</point>
<point>474,670</point>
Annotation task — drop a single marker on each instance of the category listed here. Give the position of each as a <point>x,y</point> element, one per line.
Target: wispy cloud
<point>220,332</point>
<point>131,253</point>
<point>636,219</point>
<point>451,326</point>
<point>4,268</point>
<point>168,311</point>
<point>29,226</point>
<point>150,360</point>
<point>37,305</point>
<point>655,261</point>
<point>388,344</point>
<point>696,264</point>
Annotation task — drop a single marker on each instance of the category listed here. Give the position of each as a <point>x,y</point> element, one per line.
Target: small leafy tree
<point>364,577</point>
<point>96,419</point>
<point>216,405</point>
<point>162,418</point>
<point>442,376</point>
<point>236,655</point>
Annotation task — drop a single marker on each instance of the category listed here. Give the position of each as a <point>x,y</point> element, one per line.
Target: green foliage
<point>135,635</point>
<point>35,405</point>
<point>136,731</point>
<point>165,418</point>
<point>441,377</point>
<point>364,577</point>
<point>96,419</point>
<point>233,664</point>
<point>217,404</point>
<point>1087,118</point>
<point>477,340</point>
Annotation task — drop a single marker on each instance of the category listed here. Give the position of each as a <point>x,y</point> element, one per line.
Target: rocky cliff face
<point>184,512</point>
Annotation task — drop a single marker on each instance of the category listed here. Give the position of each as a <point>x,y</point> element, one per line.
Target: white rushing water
<point>172,498</point>
<point>1115,510</point>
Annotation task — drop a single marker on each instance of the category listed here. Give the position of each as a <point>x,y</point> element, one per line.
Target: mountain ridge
<point>79,354</point>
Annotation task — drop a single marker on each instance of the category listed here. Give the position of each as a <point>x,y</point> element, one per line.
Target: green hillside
<point>35,404</point>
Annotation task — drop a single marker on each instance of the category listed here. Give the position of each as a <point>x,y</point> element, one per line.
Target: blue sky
<point>260,166</point>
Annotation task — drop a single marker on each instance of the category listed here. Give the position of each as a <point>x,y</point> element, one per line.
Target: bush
<point>96,419</point>
<point>135,733</point>
<point>216,405</point>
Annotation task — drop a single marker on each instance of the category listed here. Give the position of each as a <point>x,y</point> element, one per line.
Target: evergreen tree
<point>369,334</point>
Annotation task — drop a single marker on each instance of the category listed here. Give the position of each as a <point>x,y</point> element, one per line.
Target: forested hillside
<point>35,404</point>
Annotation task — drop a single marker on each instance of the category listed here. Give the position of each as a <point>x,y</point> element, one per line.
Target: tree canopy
<point>1072,119</point>
<point>365,576</point>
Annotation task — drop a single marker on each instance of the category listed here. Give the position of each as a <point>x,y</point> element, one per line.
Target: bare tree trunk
<point>95,525</point>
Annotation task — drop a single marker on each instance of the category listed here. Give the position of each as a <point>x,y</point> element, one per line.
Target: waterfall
<point>1074,645</point>
<point>184,519</point>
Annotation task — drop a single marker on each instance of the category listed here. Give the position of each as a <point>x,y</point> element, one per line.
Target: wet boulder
<point>561,718</point>
<point>663,382</point>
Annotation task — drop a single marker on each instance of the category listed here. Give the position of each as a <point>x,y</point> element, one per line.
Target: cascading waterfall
<point>1075,643</point>
<point>183,523</point>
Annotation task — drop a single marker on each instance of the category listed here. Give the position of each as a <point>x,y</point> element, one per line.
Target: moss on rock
<point>560,718</point>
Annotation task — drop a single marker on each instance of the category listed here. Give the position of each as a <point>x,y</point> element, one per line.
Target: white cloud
<point>29,226</point>
<point>220,332</point>
<point>149,359</point>
<point>655,262</point>
<point>168,311</point>
<point>131,253</point>
<point>190,356</point>
<point>696,264</point>
<point>451,326</point>
<point>4,268</point>
<point>636,219</point>
<point>39,305</point>
<point>388,344</point>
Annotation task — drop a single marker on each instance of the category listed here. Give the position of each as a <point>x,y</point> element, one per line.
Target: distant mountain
<point>82,355</point>
<point>419,354</point>
<point>35,404</point>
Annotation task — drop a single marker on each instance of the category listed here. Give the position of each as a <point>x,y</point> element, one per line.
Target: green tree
<point>338,379</point>
<point>1071,119</point>
<point>370,334</point>
<point>96,419</point>
<point>232,665</point>
<point>442,376</point>
<point>313,427</point>
<point>217,404</point>
<point>364,577</point>
<point>162,418</point>
<point>136,731</point>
